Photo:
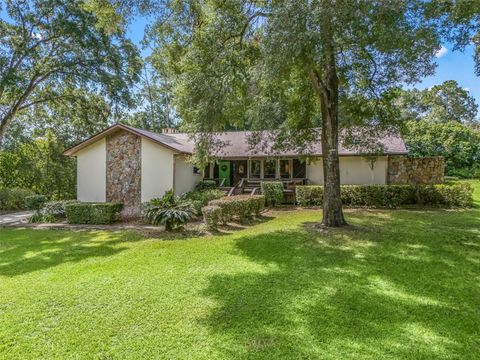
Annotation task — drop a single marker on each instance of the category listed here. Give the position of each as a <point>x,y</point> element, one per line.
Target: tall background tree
<point>49,45</point>
<point>294,65</point>
<point>442,121</point>
<point>66,70</point>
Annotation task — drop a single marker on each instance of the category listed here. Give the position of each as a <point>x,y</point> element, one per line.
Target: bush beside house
<point>92,213</point>
<point>231,208</point>
<point>35,202</point>
<point>392,196</point>
<point>273,192</point>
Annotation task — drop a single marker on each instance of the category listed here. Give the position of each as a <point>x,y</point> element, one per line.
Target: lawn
<point>398,284</point>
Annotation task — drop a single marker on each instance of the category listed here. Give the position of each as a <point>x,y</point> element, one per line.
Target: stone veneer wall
<point>124,171</point>
<point>408,170</point>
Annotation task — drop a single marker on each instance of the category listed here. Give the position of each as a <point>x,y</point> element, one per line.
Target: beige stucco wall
<point>91,172</point>
<point>185,179</point>
<point>354,170</point>
<point>157,170</point>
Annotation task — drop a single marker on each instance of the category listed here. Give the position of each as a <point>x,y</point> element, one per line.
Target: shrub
<point>170,210</point>
<point>92,213</point>
<point>206,185</point>
<point>239,207</point>
<point>35,202</point>
<point>388,196</point>
<point>56,208</point>
<point>211,216</point>
<point>392,196</point>
<point>200,199</point>
<point>273,191</point>
<point>309,195</point>
<point>450,195</point>
<point>13,198</point>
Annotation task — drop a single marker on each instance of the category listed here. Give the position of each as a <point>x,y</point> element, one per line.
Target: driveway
<point>15,218</point>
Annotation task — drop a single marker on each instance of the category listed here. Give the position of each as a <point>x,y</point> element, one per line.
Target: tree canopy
<point>439,104</point>
<point>49,45</point>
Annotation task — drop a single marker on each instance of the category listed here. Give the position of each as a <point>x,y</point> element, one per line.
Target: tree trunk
<point>327,89</point>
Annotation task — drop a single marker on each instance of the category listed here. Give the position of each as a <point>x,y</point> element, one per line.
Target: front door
<point>224,171</point>
<point>239,171</point>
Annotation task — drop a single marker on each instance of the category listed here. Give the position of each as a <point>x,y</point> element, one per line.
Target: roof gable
<point>161,139</point>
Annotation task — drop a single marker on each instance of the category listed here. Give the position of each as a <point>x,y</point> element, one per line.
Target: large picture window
<point>269,167</point>
<point>285,168</point>
<point>255,168</point>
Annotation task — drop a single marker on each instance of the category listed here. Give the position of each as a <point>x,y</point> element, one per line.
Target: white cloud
<point>441,52</point>
<point>466,89</point>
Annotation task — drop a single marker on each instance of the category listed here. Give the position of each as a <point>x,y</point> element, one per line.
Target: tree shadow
<point>398,285</point>
<point>23,251</point>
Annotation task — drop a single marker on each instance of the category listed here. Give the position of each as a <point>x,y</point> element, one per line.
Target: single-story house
<point>130,165</point>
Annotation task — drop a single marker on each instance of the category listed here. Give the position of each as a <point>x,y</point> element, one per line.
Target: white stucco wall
<point>354,170</point>
<point>91,172</point>
<point>157,170</point>
<point>185,179</point>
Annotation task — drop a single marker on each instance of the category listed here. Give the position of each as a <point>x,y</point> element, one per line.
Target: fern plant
<point>169,211</point>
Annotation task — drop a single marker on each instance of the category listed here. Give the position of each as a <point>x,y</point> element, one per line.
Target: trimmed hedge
<point>273,191</point>
<point>92,213</point>
<point>35,202</point>
<point>392,196</point>
<point>309,195</point>
<point>240,207</point>
<point>13,198</point>
<point>212,215</point>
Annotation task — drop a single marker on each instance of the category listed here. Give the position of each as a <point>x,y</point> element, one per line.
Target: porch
<point>244,176</point>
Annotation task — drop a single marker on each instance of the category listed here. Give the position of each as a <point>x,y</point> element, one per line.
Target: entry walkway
<point>15,218</point>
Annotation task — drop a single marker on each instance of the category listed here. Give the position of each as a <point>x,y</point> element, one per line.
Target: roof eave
<point>75,149</point>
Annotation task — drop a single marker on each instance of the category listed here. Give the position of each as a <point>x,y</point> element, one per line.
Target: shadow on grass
<point>23,251</point>
<point>398,284</point>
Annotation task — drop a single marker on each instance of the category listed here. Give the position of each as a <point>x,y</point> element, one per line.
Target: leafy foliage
<point>239,207</point>
<point>199,199</point>
<point>35,202</point>
<point>49,45</point>
<point>13,198</point>
<point>442,103</point>
<point>92,213</point>
<point>169,210</point>
<point>273,192</point>
<point>211,216</point>
<point>459,144</point>
<point>40,166</point>
<point>392,196</point>
<point>206,184</point>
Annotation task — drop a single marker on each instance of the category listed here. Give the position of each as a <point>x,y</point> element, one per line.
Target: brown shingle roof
<point>235,144</point>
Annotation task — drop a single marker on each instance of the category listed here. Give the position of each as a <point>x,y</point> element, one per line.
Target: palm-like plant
<point>170,211</point>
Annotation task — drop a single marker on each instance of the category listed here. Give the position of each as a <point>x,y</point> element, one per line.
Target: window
<point>206,172</point>
<point>196,170</point>
<point>255,168</point>
<point>269,167</point>
<point>285,169</point>
<point>299,169</point>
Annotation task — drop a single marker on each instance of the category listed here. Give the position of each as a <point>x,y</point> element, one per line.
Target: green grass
<point>399,284</point>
